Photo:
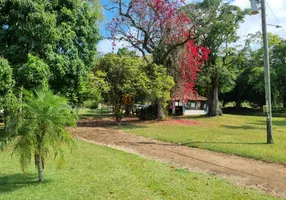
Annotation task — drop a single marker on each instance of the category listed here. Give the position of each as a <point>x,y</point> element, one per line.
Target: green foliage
<point>219,24</point>
<point>6,80</point>
<point>42,127</point>
<point>34,73</point>
<point>25,27</point>
<point>7,99</point>
<point>278,75</point>
<point>72,57</point>
<point>62,34</point>
<point>93,88</point>
<point>149,113</point>
<point>250,84</point>
<point>160,83</point>
<point>124,75</point>
<point>125,52</point>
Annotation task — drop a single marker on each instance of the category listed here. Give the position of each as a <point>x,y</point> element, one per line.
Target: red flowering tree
<point>160,28</point>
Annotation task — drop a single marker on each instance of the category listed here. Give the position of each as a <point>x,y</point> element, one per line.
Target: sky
<point>275,15</point>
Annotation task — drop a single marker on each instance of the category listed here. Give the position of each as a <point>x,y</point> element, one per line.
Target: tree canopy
<point>62,34</point>
<point>218,32</point>
<point>123,75</point>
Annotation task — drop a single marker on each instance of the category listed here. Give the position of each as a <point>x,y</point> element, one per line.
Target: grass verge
<point>94,172</point>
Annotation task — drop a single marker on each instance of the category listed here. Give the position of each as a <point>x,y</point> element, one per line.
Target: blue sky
<point>276,14</point>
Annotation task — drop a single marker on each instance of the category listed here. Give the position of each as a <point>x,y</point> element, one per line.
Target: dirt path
<point>267,177</point>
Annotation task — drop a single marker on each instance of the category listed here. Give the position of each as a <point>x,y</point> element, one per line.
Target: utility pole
<point>266,75</point>
<point>266,69</point>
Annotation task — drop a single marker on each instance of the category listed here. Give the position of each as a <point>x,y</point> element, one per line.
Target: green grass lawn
<point>233,134</point>
<point>93,172</point>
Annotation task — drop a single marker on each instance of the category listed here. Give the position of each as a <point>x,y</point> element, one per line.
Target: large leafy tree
<point>42,129</point>
<point>218,30</point>
<point>72,56</point>
<point>249,85</point>
<point>63,34</point>
<point>160,28</point>
<point>278,63</point>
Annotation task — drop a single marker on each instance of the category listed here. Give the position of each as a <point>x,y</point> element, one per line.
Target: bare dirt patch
<point>267,177</point>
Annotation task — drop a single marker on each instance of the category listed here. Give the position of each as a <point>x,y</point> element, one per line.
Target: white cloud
<point>106,45</point>
<point>242,3</point>
<point>252,23</point>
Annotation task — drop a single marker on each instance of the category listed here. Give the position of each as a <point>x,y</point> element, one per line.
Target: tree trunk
<point>21,98</point>
<point>238,104</point>
<point>160,110</point>
<point>213,102</point>
<point>284,101</point>
<point>39,163</point>
<point>6,114</point>
<point>127,110</point>
<point>117,113</point>
<point>118,119</point>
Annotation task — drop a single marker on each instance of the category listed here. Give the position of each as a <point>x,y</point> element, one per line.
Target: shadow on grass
<point>13,182</point>
<point>131,122</point>
<point>274,122</point>
<point>192,117</point>
<point>245,127</point>
<point>192,144</point>
<point>132,126</point>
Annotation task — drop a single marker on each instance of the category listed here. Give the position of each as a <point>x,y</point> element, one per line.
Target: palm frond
<point>42,129</point>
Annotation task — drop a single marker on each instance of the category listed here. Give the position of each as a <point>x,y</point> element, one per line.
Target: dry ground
<point>267,177</point>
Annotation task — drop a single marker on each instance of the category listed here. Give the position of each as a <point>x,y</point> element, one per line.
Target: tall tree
<point>160,28</point>
<point>63,34</point>
<point>220,22</point>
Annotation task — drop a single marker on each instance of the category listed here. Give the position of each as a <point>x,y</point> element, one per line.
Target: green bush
<point>149,112</point>
<point>91,104</point>
<point>278,110</point>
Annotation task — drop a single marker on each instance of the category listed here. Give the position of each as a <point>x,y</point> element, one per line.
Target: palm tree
<point>42,128</point>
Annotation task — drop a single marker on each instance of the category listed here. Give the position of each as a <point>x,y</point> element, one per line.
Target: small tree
<point>124,75</point>
<point>44,117</point>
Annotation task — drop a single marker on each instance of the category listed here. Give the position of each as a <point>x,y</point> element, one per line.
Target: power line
<point>275,17</point>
